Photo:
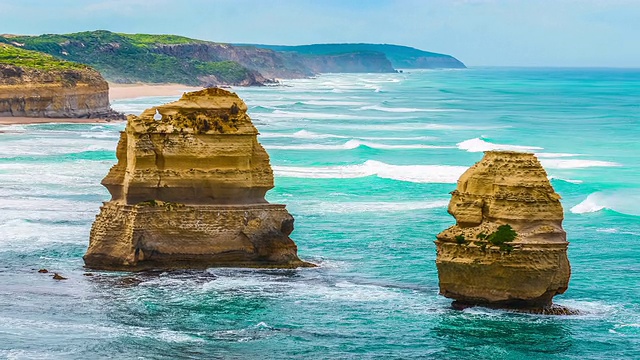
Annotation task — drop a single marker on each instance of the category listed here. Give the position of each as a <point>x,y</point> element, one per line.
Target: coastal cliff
<point>400,57</point>
<point>33,84</point>
<point>188,191</point>
<point>508,248</point>
<point>132,58</point>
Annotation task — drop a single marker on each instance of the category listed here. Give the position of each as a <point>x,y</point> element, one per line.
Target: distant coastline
<point>145,58</point>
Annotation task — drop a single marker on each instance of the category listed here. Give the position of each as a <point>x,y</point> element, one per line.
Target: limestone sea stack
<point>34,84</point>
<point>188,192</point>
<point>507,248</point>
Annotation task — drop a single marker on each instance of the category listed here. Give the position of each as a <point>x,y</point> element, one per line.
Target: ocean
<point>365,163</point>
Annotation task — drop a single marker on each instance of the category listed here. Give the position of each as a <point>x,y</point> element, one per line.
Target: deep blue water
<point>365,164</point>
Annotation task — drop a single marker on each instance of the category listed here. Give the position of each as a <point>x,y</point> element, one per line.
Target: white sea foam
<point>412,127</point>
<point>548,160</point>
<point>304,134</point>
<point>622,201</point>
<point>324,207</point>
<point>353,144</point>
<point>100,135</point>
<point>575,163</point>
<point>403,109</point>
<point>411,173</point>
<point>480,145</point>
<point>333,103</point>
<point>316,116</point>
<point>590,309</point>
<point>616,231</point>
<point>572,181</point>
<point>554,155</point>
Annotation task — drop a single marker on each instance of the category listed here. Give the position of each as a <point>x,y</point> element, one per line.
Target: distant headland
<point>143,58</point>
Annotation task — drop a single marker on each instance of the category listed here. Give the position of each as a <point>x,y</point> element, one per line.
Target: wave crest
<point>480,145</point>
<point>444,174</point>
<point>353,144</point>
<point>623,201</point>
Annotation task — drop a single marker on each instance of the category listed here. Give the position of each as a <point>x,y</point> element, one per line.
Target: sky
<point>563,33</point>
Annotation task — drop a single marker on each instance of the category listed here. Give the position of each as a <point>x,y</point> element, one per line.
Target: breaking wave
<point>304,134</point>
<point>575,163</point>
<point>623,201</point>
<point>445,174</point>
<point>322,207</point>
<point>404,110</point>
<point>353,144</point>
<point>571,181</point>
<point>480,145</point>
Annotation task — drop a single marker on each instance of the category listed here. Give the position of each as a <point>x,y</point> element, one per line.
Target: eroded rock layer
<point>476,266</point>
<point>188,191</point>
<point>68,93</point>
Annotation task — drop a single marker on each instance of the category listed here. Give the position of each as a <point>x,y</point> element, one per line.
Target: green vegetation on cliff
<point>130,58</point>
<point>149,40</point>
<point>12,55</point>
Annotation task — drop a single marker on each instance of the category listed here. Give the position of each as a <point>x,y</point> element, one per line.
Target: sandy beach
<point>132,91</point>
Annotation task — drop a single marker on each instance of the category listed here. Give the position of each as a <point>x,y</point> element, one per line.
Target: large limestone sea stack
<point>188,191</point>
<point>508,248</point>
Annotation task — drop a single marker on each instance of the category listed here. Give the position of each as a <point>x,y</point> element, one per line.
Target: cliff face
<point>188,191</point>
<point>480,260</point>
<point>127,58</point>
<point>428,62</point>
<point>272,64</point>
<point>49,88</point>
<point>401,57</point>
<point>356,62</point>
<point>268,63</point>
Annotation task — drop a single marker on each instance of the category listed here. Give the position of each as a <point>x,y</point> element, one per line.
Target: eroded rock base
<point>167,235</point>
<point>526,277</point>
<point>552,309</point>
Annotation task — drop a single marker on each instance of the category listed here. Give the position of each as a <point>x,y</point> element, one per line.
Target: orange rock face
<point>474,267</point>
<point>188,191</point>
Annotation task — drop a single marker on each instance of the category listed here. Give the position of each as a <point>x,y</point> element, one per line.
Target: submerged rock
<point>57,276</point>
<point>188,191</point>
<point>508,248</point>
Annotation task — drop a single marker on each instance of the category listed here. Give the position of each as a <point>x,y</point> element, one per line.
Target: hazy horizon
<point>512,33</point>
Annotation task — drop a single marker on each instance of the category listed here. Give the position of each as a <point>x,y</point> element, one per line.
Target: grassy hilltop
<point>12,55</point>
<point>130,58</point>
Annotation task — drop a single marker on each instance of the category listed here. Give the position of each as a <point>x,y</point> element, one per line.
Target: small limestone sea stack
<point>508,248</point>
<point>188,192</point>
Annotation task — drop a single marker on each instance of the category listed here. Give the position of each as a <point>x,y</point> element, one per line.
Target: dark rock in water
<point>43,271</point>
<point>57,276</point>
<point>130,281</point>
<point>552,309</point>
<point>88,274</point>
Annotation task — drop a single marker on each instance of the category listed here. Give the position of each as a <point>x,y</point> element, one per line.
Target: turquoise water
<point>365,164</point>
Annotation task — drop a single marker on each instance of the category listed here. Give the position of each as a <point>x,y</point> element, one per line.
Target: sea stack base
<point>166,235</point>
